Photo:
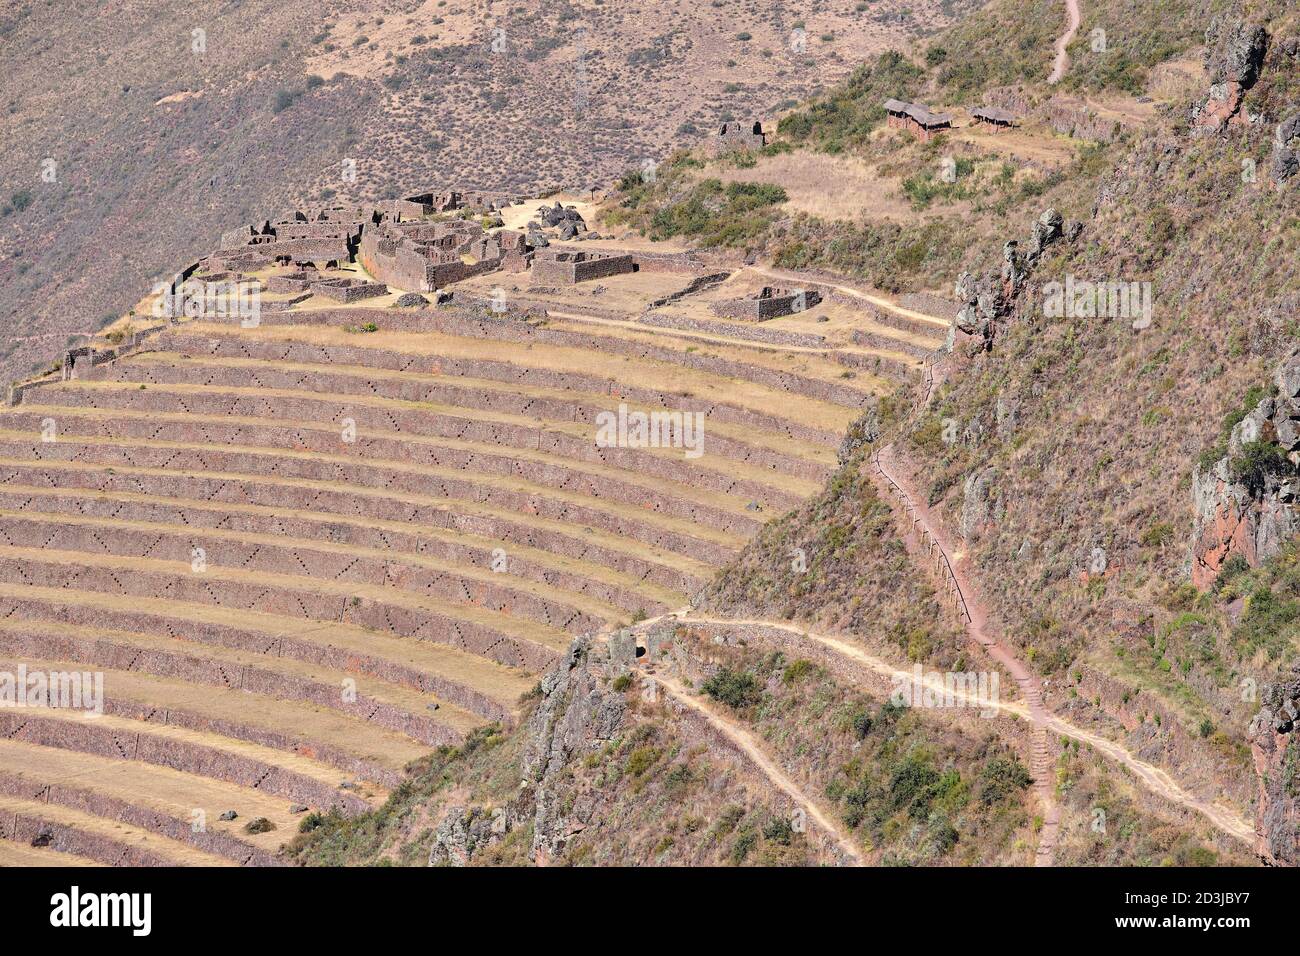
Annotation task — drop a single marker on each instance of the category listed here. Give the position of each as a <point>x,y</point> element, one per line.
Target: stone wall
<point>104,850</point>
<point>91,737</point>
<point>498,371</point>
<point>564,267</point>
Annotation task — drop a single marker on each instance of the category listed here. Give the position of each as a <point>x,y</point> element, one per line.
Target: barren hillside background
<point>135,134</point>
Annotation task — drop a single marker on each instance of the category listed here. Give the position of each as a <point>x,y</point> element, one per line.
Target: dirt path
<point>1072,27</point>
<point>750,746</point>
<point>895,479</point>
<point>1153,778</point>
<point>876,300</point>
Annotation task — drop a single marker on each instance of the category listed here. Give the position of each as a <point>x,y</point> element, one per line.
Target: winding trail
<point>929,542</point>
<point>750,746</point>
<point>893,479</point>
<point>1072,27</point>
<point>896,479</point>
<point>1153,778</point>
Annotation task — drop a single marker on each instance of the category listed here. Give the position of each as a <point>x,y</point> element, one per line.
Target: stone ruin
<point>423,256</point>
<point>564,267</point>
<point>769,303</point>
<point>734,137</point>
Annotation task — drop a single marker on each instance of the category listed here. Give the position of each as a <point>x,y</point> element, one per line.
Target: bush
<point>283,100</point>
<point>737,689</point>
<point>1000,778</point>
<point>260,825</point>
<point>797,670</point>
<point>1259,461</point>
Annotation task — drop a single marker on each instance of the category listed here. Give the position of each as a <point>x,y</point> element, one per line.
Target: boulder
<point>409,300</point>
<point>622,647</point>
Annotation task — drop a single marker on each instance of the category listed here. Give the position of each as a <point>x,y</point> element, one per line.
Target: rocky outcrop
<point>989,299</point>
<point>1245,503</point>
<point>1273,744</point>
<point>1234,53</point>
<point>1285,161</point>
<point>578,714</point>
<point>980,506</point>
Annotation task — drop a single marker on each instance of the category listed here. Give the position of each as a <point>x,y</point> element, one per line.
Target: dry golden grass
<point>524,552</point>
<point>179,854</point>
<point>308,723</point>
<point>169,791</point>
<point>753,435</point>
<point>684,487</point>
<point>500,683</point>
<point>405,698</point>
<point>17,854</point>
<point>621,370</point>
<point>340,591</point>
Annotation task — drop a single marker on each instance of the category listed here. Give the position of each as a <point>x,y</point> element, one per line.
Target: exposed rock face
<point>987,299</point>
<point>1234,53</point>
<point>864,431</point>
<point>1232,517</point>
<point>1273,743</point>
<point>980,507</point>
<point>578,714</point>
<point>1286,150</point>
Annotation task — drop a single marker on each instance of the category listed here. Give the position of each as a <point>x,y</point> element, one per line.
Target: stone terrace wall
<point>753,333</point>
<point>459,324</point>
<point>329,565</point>
<point>96,738</point>
<point>248,638</point>
<point>337,529</point>
<point>146,818</point>
<point>28,829</point>
<point>305,602</point>
<point>487,369</point>
<point>195,669</point>
<point>378,472</point>
<point>559,409</point>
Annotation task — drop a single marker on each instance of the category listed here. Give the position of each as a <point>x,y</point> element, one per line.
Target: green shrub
<point>797,670</point>
<point>736,689</point>
<point>1000,778</point>
<point>1258,461</point>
